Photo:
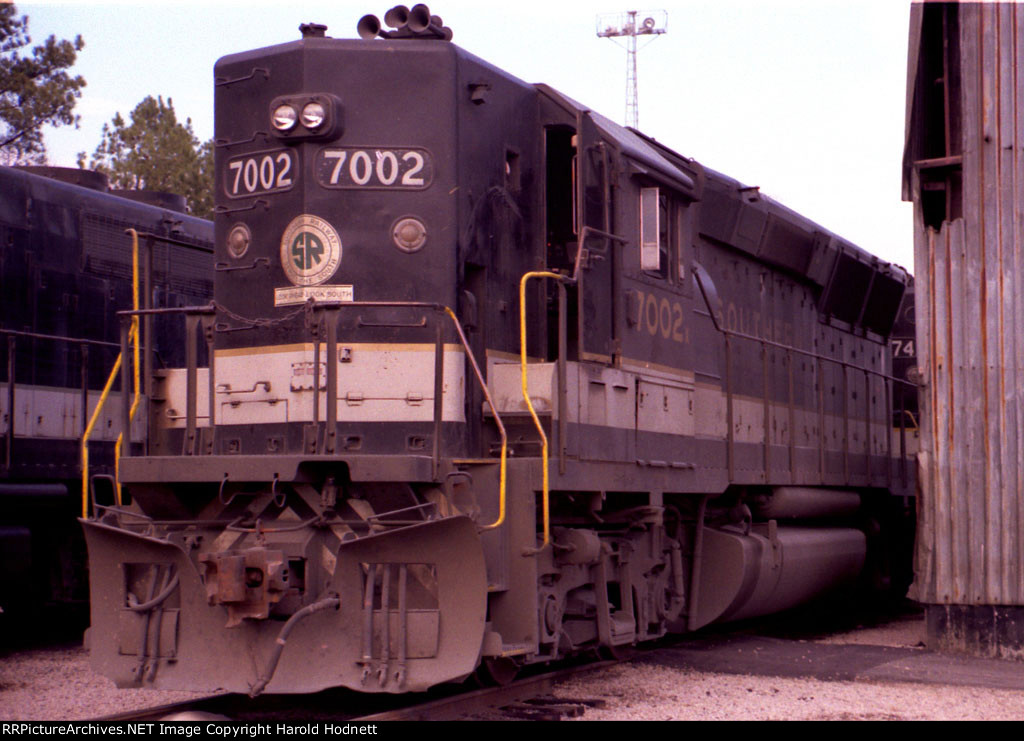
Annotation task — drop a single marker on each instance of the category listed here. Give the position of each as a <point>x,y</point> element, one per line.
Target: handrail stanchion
<point>563,350</point>
<point>147,320</point>
<point>131,336</point>
<point>207,324</point>
<point>9,453</point>
<point>497,419</point>
<point>126,325</point>
<point>88,432</point>
<point>316,380</point>
<point>84,356</point>
<point>435,456</point>
<point>191,382</point>
<point>331,434</point>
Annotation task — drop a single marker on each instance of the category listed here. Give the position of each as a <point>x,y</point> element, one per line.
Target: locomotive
<point>903,346</point>
<point>65,269</point>
<point>489,380</point>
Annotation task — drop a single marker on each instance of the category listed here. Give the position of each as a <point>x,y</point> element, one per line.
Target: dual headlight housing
<point>316,116</point>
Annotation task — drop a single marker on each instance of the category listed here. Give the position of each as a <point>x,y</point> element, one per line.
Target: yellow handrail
<point>88,432</point>
<point>133,336</point>
<point>526,393</point>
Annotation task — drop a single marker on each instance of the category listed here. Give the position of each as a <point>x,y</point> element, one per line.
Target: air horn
<point>415,23</point>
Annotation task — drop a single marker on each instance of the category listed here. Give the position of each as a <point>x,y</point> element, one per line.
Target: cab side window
<point>655,233</point>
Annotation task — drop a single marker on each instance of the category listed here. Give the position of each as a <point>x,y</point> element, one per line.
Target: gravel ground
<point>57,684</point>
<point>900,633</point>
<point>640,691</point>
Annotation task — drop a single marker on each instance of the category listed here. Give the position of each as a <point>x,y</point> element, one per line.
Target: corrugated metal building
<point>963,168</point>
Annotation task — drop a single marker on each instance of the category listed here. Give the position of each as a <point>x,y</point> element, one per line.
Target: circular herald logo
<point>310,250</point>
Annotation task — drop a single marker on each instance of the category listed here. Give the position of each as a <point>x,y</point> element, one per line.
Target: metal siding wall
<point>971,513</point>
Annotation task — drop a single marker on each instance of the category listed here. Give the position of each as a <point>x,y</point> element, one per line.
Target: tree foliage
<point>35,87</point>
<point>156,152</point>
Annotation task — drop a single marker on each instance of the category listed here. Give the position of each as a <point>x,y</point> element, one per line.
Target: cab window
<point>655,231</point>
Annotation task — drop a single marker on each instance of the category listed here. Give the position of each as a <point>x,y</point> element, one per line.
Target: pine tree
<point>35,88</point>
<point>156,152</point>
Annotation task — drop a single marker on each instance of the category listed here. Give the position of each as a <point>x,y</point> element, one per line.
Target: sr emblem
<point>310,250</point>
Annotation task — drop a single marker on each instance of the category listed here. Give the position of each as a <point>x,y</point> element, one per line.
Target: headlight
<point>305,116</point>
<point>284,118</point>
<point>313,115</point>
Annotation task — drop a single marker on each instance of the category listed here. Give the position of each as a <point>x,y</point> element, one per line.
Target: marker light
<point>238,240</point>
<point>409,234</point>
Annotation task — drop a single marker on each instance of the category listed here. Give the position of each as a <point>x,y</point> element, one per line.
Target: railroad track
<point>528,698</point>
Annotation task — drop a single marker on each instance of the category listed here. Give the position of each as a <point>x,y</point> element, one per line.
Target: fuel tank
<point>772,568</point>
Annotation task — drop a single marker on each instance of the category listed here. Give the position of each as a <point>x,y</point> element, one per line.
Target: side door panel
<point>598,304</point>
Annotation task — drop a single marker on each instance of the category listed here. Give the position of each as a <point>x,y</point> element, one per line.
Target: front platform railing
<point>322,322</point>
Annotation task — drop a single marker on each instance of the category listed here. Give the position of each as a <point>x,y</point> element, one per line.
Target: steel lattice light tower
<point>614,25</point>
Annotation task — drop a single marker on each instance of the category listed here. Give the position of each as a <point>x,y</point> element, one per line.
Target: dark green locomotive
<point>490,380</point>
<point>65,268</point>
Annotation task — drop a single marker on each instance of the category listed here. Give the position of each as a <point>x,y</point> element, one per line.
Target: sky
<point>804,98</point>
